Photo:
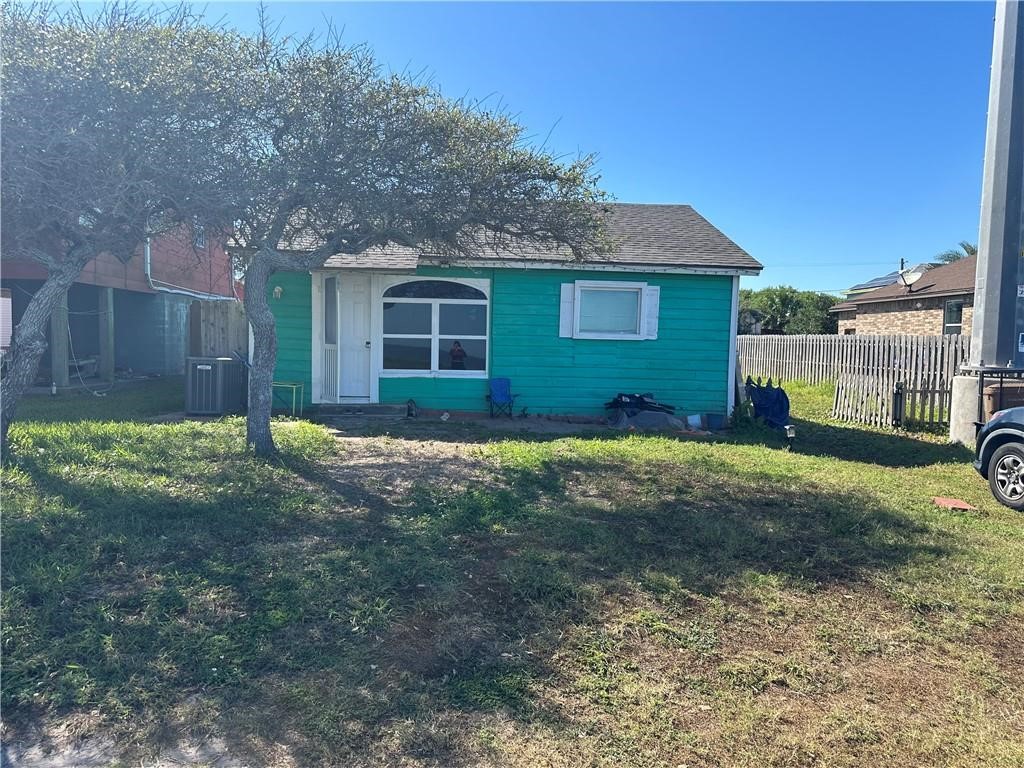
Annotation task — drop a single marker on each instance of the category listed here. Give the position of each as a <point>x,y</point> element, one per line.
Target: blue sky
<point>829,140</point>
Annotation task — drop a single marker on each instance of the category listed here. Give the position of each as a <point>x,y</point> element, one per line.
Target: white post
<point>317,318</point>
<point>733,330</point>
<point>998,305</point>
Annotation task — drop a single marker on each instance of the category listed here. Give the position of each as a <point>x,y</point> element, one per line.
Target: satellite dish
<point>908,278</point>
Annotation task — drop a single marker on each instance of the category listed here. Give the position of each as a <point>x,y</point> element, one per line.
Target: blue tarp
<point>770,402</point>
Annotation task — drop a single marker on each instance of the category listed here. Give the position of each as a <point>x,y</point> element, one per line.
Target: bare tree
<point>125,123</point>
<point>341,159</point>
<point>116,125</point>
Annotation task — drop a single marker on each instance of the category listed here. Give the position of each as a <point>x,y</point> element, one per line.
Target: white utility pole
<point>997,335</point>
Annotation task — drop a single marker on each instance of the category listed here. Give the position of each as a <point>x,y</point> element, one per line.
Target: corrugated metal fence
<point>866,371</point>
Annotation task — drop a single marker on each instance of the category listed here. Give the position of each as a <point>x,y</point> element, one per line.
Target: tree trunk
<point>28,342</point>
<point>264,355</point>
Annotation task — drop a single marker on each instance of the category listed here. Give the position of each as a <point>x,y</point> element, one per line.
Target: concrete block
<point>964,410</point>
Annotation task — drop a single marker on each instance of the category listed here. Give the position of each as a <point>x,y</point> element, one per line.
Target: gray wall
<point>151,331</point>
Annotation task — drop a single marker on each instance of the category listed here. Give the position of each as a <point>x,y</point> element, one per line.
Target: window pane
<point>330,310</point>
<point>433,289</point>
<point>463,319</point>
<point>954,312</point>
<point>609,311</point>
<point>463,355</point>
<point>406,318</point>
<point>407,354</point>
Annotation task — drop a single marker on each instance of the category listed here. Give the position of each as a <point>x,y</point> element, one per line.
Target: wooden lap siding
<point>444,394</point>
<point>686,366</point>
<point>207,270</point>
<point>293,313</point>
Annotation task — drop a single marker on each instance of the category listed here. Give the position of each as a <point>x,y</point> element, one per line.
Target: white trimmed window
<point>435,327</point>
<point>605,309</point>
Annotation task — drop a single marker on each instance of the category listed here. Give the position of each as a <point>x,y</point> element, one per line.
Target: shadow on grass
<point>848,443</point>
<point>346,621</point>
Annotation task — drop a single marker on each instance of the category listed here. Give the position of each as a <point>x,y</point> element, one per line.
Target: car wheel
<point>1006,475</point>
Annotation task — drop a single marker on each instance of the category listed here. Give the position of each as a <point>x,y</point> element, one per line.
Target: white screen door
<point>354,341</point>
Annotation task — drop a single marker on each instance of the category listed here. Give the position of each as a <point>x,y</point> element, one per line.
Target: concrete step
<point>361,409</point>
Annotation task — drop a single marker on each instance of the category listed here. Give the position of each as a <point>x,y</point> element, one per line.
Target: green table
<point>298,389</point>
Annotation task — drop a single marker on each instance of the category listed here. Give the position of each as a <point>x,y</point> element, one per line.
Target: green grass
<point>431,597</point>
<point>126,401</point>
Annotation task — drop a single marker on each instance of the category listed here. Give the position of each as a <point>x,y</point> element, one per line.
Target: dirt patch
<point>56,750</point>
<point>395,464</point>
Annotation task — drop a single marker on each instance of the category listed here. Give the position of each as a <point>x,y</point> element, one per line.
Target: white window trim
<point>734,315</point>
<point>317,316</point>
<point>610,285</point>
<point>435,336</point>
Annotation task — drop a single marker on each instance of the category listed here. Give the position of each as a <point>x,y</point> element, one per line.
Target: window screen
<point>406,318</point>
<point>611,311</point>
<point>331,310</point>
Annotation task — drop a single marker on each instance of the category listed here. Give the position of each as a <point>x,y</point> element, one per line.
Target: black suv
<point>999,456</point>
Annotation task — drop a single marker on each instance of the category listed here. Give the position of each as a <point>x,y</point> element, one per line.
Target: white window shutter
<point>652,299</point>
<point>565,313</point>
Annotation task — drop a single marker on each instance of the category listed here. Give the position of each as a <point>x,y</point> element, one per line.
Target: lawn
<point>434,597</point>
<point>127,400</point>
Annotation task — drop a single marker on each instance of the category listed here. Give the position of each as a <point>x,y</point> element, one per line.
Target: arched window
<point>434,289</point>
<point>436,326</point>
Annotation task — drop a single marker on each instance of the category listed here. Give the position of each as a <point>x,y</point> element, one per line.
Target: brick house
<point>940,301</point>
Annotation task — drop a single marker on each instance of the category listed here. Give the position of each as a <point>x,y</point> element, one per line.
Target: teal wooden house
<point>657,314</point>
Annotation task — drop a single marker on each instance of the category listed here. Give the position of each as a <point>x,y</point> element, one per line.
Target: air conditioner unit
<point>214,386</point>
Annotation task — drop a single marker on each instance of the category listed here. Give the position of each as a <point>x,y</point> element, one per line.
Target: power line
<point>836,264</point>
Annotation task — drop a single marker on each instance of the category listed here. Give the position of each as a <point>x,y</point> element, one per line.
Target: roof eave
<point>598,266</point>
<point>910,296</point>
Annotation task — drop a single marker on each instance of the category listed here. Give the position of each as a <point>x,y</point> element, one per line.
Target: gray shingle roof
<point>389,258</point>
<point>642,235</point>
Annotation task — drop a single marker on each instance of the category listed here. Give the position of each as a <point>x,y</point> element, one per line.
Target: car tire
<point>1006,475</point>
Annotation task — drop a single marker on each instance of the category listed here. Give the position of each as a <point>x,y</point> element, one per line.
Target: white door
<point>354,340</point>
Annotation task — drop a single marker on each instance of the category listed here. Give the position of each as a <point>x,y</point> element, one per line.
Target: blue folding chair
<point>500,397</point>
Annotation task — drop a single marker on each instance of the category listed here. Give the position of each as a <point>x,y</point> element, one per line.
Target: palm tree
<point>955,254</point>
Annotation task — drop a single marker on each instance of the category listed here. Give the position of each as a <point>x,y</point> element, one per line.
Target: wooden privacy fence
<point>882,400</point>
<point>866,371</point>
<point>218,329</point>
<point>819,358</point>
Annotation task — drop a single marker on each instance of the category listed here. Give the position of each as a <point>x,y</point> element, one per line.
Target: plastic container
<point>715,421</point>
<point>1012,396</point>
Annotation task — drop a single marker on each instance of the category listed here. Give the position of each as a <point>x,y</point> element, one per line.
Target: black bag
<point>633,404</point>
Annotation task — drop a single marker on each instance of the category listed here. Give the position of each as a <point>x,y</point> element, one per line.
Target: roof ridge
<point>650,205</point>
